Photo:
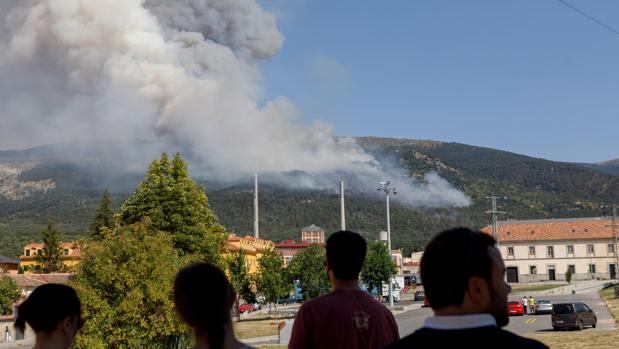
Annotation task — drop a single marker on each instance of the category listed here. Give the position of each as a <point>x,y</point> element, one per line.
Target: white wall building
<point>543,250</point>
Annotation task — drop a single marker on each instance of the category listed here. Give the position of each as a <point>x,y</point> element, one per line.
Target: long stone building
<point>543,250</point>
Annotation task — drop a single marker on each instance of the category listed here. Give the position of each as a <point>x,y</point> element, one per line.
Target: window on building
<point>570,249</point>
<point>572,267</point>
<point>27,252</point>
<point>611,248</point>
<point>590,249</point>
<point>510,251</point>
<point>592,268</point>
<point>66,251</point>
<point>550,251</point>
<point>532,269</point>
<point>531,250</point>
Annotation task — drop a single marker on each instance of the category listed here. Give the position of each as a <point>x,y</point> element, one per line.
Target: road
<point>412,320</point>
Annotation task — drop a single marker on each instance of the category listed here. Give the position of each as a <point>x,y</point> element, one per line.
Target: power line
<point>590,17</point>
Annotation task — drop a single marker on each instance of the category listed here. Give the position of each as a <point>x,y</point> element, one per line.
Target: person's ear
<point>67,325</point>
<point>479,291</point>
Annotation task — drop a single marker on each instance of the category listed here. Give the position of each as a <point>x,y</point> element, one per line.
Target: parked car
<point>420,296</point>
<point>515,308</point>
<point>246,308</point>
<point>543,306</point>
<point>572,315</point>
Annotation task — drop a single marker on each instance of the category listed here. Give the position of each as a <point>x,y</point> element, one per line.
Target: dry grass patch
<point>252,329</point>
<point>587,338</point>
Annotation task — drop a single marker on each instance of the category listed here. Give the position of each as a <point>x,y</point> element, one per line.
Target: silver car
<point>543,306</point>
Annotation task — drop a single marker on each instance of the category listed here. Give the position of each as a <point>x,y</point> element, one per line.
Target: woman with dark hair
<point>204,297</point>
<point>54,313</point>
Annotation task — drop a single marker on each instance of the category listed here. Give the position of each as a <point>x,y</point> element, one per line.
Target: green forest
<point>535,188</point>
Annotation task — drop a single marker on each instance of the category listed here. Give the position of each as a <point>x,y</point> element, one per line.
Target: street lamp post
<point>388,189</point>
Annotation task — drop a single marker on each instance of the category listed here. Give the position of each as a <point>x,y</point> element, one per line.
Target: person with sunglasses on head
<point>204,297</point>
<point>346,317</point>
<point>54,313</point>
<point>463,277</point>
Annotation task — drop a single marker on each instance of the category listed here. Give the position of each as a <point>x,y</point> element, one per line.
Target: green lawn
<point>536,287</point>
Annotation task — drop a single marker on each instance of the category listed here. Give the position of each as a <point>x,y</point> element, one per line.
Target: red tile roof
<point>554,229</point>
<point>294,244</point>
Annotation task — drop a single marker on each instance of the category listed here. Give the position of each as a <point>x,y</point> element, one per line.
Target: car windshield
<point>563,309</point>
<point>514,303</point>
<point>544,302</point>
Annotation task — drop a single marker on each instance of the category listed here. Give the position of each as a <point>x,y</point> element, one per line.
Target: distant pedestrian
<point>346,317</point>
<point>462,274</point>
<point>531,305</point>
<point>203,297</point>
<point>54,312</point>
<point>525,304</point>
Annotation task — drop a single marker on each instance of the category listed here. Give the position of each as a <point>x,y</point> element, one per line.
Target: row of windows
<point>550,250</point>
<point>34,252</point>
<point>572,267</point>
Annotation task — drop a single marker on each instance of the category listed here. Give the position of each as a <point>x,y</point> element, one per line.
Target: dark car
<point>420,296</point>
<point>572,315</point>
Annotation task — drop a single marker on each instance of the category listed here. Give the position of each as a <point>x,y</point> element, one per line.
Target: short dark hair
<point>47,306</point>
<point>449,262</point>
<point>345,254</point>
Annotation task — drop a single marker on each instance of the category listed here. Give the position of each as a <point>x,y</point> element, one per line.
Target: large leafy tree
<point>50,256</point>
<point>9,294</point>
<point>378,266</point>
<point>125,284</point>
<point>104,217</point>
<point>176,204</point>
<point>308,269</point>
<point>240,279</point>
<point>271,280</point>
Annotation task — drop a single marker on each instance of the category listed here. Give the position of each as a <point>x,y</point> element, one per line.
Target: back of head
<point>203,297</point>
<point>450,260</point>
<point>345,254</point>
<point>47,306</point>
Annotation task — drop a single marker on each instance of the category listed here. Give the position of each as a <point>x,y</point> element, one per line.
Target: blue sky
<point>528,76</point>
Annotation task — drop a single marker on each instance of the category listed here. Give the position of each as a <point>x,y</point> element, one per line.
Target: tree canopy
<point>50,256</point>
<point>240,279</point>
<point>308,268</point>
<point>271,281</point>
<point>9,293</point>
<point>125,284</point>
<point>378,266</point>
<point>104,217</point>
<point>176,204</point>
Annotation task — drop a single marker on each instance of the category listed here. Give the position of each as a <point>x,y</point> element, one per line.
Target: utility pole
<point>495,219</point>
<point>256,231</point>
<point>387,189</point>
<point>342,211</point>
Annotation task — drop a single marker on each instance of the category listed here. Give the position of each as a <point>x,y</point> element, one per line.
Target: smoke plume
<point>180,71</point>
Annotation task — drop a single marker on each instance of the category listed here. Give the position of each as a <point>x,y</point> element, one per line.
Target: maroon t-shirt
<point>343,319</point>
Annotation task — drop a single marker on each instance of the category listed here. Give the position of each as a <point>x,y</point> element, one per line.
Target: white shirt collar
<point>459,322</point>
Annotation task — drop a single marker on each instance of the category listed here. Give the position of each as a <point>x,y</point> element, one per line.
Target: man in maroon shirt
<point>346,317</point>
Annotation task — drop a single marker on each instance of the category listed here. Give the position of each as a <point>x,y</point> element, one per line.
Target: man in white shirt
<point>463,277</point>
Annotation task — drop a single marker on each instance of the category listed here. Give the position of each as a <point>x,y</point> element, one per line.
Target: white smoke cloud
<point>184,71</point>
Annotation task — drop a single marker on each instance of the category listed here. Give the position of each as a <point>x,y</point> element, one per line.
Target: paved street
<point>412,320</point>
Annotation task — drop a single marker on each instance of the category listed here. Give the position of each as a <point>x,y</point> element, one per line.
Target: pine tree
<point>176,204</point>
<point>50,256</point>
<point>104,217</point>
